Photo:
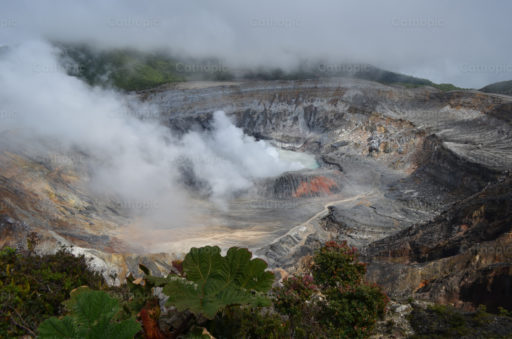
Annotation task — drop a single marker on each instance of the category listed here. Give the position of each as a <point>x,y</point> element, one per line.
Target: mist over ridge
<point>416,38</point>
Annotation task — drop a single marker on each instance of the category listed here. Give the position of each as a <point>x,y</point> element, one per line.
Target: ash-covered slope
<point>405,154</point>
<point>463,256</point>
<point>46,193</point>
<point>388,158</point>
<point>318,113</point>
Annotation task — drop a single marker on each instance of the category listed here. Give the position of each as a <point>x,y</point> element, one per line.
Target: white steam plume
<point>134,159</point>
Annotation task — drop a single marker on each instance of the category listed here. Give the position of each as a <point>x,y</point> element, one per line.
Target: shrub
<point>293,300</point>
<point>352,312</point>
<point>248,323</point>
<point>32,287</point>
<point>336,264</point>
<point>351,307</point>
<point>335,302</point>
<point>124,69</point>
<point>295,291</point>
<point>504,312</point>
<point>229,295</point>
<point>444,321</point>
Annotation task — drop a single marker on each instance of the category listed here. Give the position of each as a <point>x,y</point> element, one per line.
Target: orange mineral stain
<point>316,185</point>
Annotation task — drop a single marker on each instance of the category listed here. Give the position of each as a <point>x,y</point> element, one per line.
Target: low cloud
<point>439,40</point>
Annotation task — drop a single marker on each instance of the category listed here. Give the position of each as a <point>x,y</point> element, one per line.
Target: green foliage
<point>294,300</point>
<point>481,317</point>
<point>333,302</point>
<point>226,294</point>
<point>196,332</point>
<point>502,87</point>
<point>352,312</point>
<point>134,294</point>
<point>132,70</point>
<point>279,74</point>
<point>249,323</point>
<point>92,315</point>
<point>32,287</point>
<point>337,265</point>
<point>357,71</point>
<point>212,282</point>
<point>445,87</point>
<point>290,298</point>
<point>125,69</point>
<point>442,321</point>
<point>351,307</point>
<point>135,71</point>
<point>504,312</point>
<point>336,302</point>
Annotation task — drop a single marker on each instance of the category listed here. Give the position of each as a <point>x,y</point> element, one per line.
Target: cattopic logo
<point>7,115</point>
<point>343,68</point>
<point>7,23</point>
<point>144,115</point>
<point>420,22</point>
<point>71,68</point>
<point>140,205</point>
<point>275,23</point>
<point>274,204</point>
<point>486,68</point>
<point>200,68</point>
<point>497,249</point>
<point>133,22</point>
<point>63,159</point>
<point>128,204</point>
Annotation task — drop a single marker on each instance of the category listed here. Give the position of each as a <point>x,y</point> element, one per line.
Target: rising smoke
<point>137,160</point>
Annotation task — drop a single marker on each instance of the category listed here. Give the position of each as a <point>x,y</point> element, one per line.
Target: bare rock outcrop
<point>462,257</point>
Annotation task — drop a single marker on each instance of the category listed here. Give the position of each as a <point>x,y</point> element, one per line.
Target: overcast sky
<point>464,42</point>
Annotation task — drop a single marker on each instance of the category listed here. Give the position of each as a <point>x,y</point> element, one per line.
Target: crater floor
<point>379,159</point>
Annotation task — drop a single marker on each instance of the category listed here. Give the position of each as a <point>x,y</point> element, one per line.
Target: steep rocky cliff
<point>463,256</point>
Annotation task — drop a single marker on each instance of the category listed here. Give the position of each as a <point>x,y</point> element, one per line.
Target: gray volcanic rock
<point>430,150</point>
<point>389,158</point>
<point>463,256</point>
